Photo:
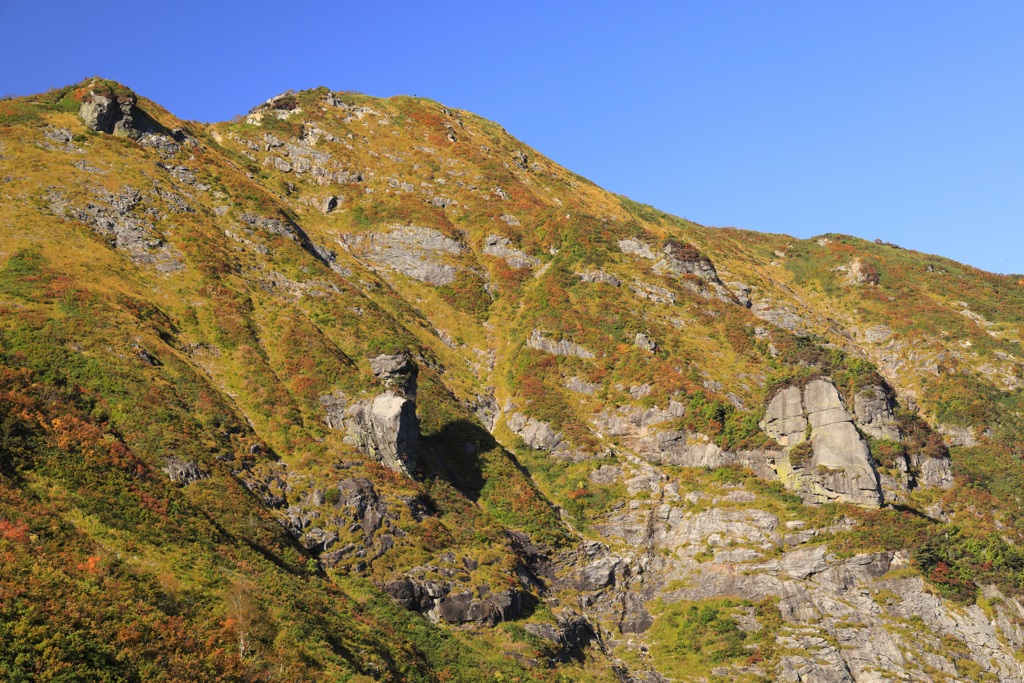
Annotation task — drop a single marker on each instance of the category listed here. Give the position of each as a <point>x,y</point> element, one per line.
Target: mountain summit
<point>359,389</point>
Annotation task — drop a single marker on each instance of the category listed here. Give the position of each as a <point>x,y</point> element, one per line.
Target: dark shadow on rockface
<point>915,512</point>
<point>453,454</point>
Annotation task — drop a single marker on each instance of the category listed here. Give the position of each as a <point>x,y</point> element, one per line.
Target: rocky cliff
<point>363,389</point>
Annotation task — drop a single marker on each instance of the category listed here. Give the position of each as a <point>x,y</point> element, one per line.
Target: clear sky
<point>898,120</point>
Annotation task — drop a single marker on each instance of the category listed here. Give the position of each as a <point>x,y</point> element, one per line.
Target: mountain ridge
<point>401,363</point>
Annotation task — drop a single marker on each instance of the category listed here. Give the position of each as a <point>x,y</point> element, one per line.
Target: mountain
<point>357,389</point>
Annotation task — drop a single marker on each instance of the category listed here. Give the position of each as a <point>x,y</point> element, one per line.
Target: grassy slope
<point>242,360</point>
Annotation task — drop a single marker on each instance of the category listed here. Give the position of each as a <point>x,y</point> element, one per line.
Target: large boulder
<point>935,473</point>
<point>99,113</point>
<point>406,593</point>
<point>397,371</point>
<point>461,608</point>
<point>386,429</point>
<point>116,114</point>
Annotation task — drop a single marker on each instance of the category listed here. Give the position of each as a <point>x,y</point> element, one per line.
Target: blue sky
<point>897,120</point>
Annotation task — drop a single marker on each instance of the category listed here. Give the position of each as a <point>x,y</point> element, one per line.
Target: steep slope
<point>359,387</point>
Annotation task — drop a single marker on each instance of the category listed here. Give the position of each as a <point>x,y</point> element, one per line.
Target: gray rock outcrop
<point>115,116</point>
<point>496,245</point>
<point>681,260</point>
<point>184,471</point>
<point>840,466</point>
<point>384,427</point>
<point>535,434</point>
<point>423,254</point>
<point>644,342</point>
<point>873,409</point>
<point>581,386</point>
<point>328,204</point>
<point>397,372</point>
<point>571,634</point>
<point>934,472</point>
<point>784,418</point>
<point>124,222</point>
<point>561,347</point>
<point>442,603</point>
<point>599,276</point>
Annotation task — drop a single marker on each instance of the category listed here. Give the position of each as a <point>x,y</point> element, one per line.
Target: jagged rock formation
<point>441,603</point>
<point>184,471</point>
<point>535,433</point>
<point>119,218</point>
<point>116,115</point>
<point>384,427</point>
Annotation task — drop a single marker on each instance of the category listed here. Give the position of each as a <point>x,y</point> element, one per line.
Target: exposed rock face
<point>460,608</point>
<point>877,334</point>
<point>781,315</point>
<point>860,273</point>
<point>496,245</point>
<point>357,508</point>
<point>639,430</point>
<point>397,372</point>
<point>386,429</point>
<point>682,259</point>
<point>184,471</point>
<point>441,603</point>
<point>285,227</point>
<point>685,449</point>
<point>334,407</point>
<point>654,293</point>
<point>741,292</point>
<point>634,617</point>
<point>572,634</point>
<point>581,386</point>
<point>644,342</point>
<point>599,276</point>
<point>486,409</point>
<point>562,347</point>
<point>423,254</point>
<point>784,418</point>
<point>117,116</point>
<point>328,204</point>
<point>935,473</point>
<point>598,574</point>
<point>840,617</point>
<point>840,467</point>
<point>405,593</point>
<point>535,433</point>
<point>679,259</point>
<point>123,220</point>
<point>874,413</point>
<point>958,436</point>
<point>367,509</point>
